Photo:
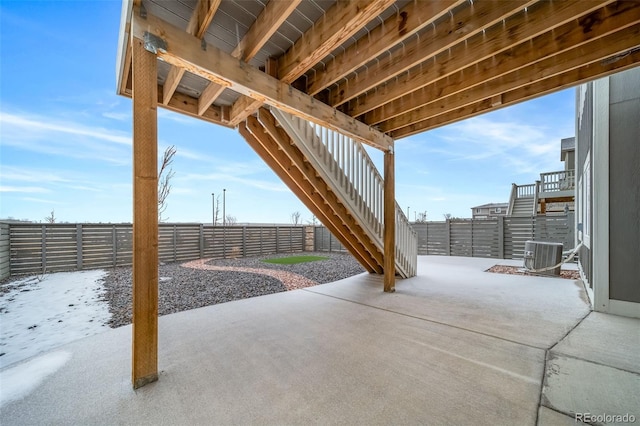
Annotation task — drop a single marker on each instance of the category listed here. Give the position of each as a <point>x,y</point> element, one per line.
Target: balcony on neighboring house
<point>554,193</point>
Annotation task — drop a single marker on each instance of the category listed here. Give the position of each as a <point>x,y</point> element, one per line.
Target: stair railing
<point>354,178</point>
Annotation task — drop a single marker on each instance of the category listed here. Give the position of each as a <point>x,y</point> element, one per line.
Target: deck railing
<point>564,180</point>
<point>354,178</point>
<point>526,191</point>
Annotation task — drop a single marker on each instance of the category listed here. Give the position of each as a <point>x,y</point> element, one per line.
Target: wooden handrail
<point>349,171</point>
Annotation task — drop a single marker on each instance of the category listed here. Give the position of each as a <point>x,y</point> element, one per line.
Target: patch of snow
<point>39,315</point>
<point>21,380</point>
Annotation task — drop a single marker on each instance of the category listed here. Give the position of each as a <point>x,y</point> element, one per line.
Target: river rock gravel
<point>182,288</point>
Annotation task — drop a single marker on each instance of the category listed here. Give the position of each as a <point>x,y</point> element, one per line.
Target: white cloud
<point>23,189</point>
<point>45,124</point>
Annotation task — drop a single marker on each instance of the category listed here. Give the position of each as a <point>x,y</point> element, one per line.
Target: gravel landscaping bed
<point>181,288</point>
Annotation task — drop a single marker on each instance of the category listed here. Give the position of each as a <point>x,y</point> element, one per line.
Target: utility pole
<point>213,211</point>
<point>224,214</point>
<point>408,213</point>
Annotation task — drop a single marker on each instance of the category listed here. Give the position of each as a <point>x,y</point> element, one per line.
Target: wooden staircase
<point>337,181</point>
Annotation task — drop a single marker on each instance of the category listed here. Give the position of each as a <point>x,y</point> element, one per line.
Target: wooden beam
<point>389,222</point>
<point>171,83</point>
<point>341,21</point>
<point>183,50</point>
<point>265,25</point>
<point>593,51</point>
<point>540,88</point>
<point>395,29</point>
<point>304,183</point>
<point>202,17</point>
<point>462,26</point>
<point>187,105</point>
<point>145,216</point>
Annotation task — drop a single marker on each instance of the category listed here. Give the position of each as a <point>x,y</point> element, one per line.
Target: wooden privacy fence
<point>37,248</point>
<point>501,238</point>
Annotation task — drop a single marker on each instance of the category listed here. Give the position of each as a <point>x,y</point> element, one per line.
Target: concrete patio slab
<point>537,311</point>
<point>577,387</point>
<point>548,417</point>
<point>454,345</point>
<point>293,358</point>
<point>605,339</point>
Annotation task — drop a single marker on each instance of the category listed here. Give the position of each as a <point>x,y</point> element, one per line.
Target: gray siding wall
<point>584,144</point>
<point>624,186</point>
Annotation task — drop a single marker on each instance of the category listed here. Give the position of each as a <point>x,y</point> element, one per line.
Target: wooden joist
<point>185,51</point>
<point>267,23</point>
<point>533,90</point>
<point>394,30</point>
<point>592,52</point>
<point>446,34</point>
<point>559,43</point>
<point>339,23</point>
<point>202,17</point>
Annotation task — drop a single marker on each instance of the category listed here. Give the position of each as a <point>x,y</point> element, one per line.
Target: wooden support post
<point>145,216</point>
<point>389,222</point>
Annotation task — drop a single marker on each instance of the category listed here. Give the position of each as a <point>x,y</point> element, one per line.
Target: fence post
<point>472,238</point>
<point>79,246</point>
<point>201,241</point>
<point>261,241</point>
<point>224,242</point>
<point>44,248</point>
<point>448,230</point>
<point>330,243</point>
<point>501,237</point>
<point>244,241</point>
<point>175,243</point>
<point>290,239</point>
<point>114,245</point>
<point>277,246</point>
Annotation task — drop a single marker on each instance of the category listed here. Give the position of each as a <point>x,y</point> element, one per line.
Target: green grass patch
<point>292,260</point>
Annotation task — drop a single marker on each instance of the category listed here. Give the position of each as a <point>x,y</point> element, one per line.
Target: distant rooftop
<point>491,205</point>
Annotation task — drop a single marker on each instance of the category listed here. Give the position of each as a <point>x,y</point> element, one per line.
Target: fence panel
<point>491,238</point>
<point>5,251</point>
<point>38,248</point>
<point>517,230</point>
<point>438,239</point>
<point>25,249</point>
<point>461,238</point>
<point>485,238</point>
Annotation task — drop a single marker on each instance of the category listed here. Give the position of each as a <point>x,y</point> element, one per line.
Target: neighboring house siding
<point>624,186</point>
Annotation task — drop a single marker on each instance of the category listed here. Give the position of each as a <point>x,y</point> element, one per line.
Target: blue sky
<point>65,137</point>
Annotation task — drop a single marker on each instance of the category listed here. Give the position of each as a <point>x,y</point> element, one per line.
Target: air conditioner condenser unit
<point>539,255</point>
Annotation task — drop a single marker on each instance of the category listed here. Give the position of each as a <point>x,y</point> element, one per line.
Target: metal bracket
<point>203,45</point>
<point>153,43</point>
<point>143,11</point>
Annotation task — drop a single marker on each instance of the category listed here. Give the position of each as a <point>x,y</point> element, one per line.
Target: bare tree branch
<point>296,218</point>
<point>51,218</point>
<point>164,179</point>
